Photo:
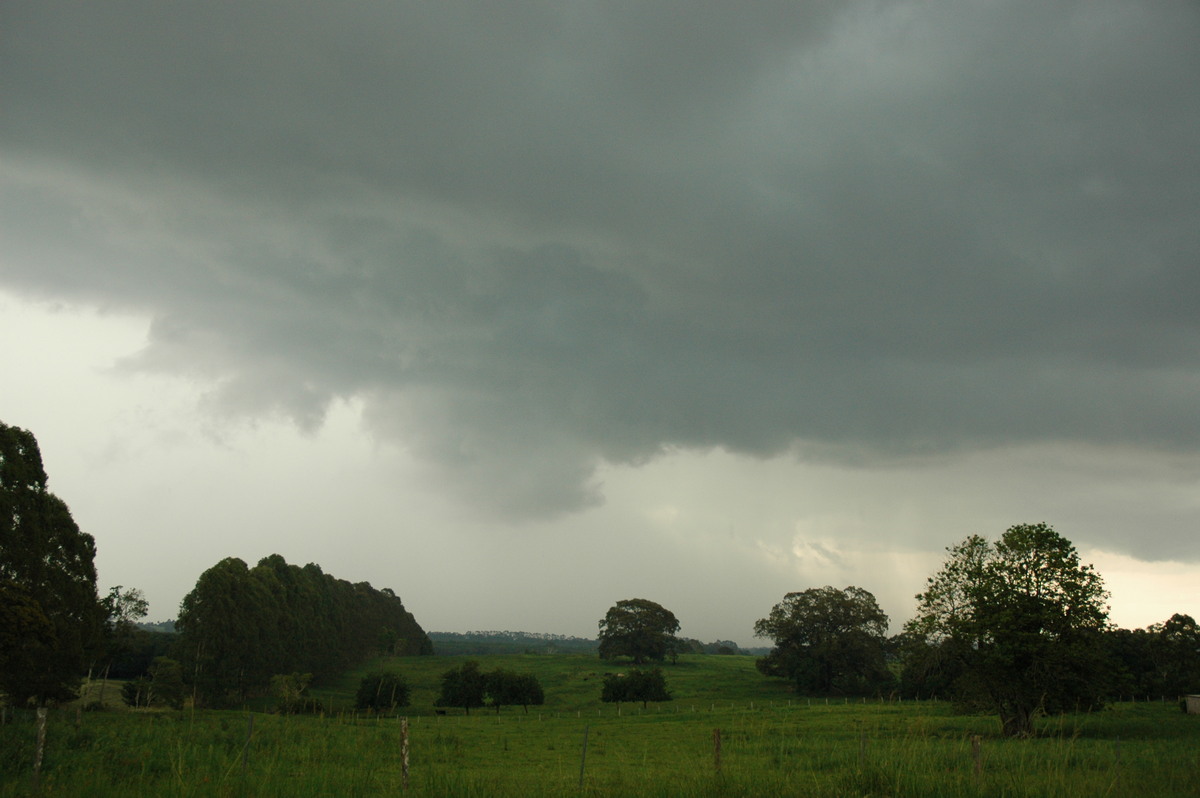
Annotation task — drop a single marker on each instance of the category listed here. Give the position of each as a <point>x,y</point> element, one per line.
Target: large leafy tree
<point>50,614</point>
<point>1019,622</point>
<point>827,641</point>
<point>638,628</point>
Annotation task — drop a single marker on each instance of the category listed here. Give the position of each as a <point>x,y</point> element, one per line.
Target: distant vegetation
<point>455,643</point>
<point>478,643</point>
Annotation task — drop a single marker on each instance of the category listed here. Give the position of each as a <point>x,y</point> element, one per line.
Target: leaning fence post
<point>717,749</point>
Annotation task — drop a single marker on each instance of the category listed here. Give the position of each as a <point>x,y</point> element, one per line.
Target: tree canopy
<point>827,641</point>
<point>1018,623</point>
<point>638,628</point>
<point>50,613</point>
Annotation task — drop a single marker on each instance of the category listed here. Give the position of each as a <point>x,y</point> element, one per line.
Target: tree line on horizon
<point>506,642</point>
<point>1018,626</point>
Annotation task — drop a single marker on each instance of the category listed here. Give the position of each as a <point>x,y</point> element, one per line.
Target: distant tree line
<point>240,626</point>
<point>485,643</point>
<point>493,643</point>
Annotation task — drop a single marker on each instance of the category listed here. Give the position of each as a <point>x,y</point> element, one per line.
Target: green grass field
<point>771,744</point>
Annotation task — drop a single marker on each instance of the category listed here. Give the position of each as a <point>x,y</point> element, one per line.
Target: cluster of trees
<point>636,685</point>
<point>240,626</point>
<point>1018,626</point>
<point>1162,660</point>
<point>468,687</point>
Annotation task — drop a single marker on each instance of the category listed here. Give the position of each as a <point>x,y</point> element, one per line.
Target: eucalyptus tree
<point>50,614</point>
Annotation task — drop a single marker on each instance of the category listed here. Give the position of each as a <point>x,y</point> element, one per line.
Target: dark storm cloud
<point>535,237</point>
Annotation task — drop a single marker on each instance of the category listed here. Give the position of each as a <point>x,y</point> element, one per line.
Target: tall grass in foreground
<point>787,750</point>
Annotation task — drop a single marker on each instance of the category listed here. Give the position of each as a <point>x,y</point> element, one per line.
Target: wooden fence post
<point>40,749</point>
<point>583,758</point>
<point>404,752</point>
<point>717,749</point>
<point>976,754</point>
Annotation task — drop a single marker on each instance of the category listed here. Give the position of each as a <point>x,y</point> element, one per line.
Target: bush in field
<point>291,693</point>
<point>382,692</point>
<point>637,685</point>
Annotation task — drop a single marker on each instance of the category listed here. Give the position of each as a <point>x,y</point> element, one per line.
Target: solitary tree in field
<point>1021,621</point>
<point>638,628</point>
<point>827,641</point>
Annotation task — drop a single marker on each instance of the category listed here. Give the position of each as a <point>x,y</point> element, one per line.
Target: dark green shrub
<point>382,692</point>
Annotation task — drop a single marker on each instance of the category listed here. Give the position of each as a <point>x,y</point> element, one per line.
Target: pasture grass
<point>772,743</point>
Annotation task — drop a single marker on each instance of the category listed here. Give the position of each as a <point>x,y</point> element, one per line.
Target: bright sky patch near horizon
<point>523,310</point>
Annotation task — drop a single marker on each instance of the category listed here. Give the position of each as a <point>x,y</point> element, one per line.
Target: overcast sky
<point>524,308</point>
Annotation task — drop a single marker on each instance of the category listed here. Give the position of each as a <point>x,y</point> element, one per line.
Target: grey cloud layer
<point>538,236</point>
